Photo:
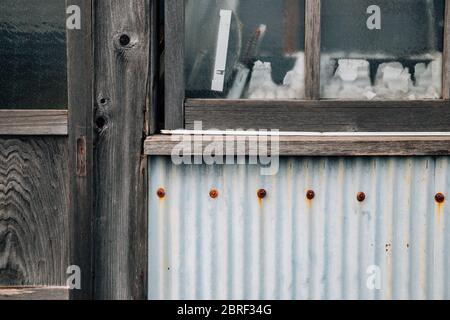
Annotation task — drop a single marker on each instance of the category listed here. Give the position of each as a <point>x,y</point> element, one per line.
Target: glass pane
<point>383,49</point>
<point>244,49</point>
<point>32,54</point>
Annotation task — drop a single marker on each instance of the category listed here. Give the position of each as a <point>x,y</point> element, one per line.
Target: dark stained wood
<point>312,49</point>
<point>446,54</point>
<point>163,145</point>
<point>321,116</point>
<point>153,115</point>
<point>122,76</point>
<point>33,122</point>
<point>34,211</point>
<point>34,293</point>
<point>174,64</point>
<point>80,78</point>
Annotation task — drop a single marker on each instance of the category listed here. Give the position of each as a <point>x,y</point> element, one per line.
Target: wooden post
<point>122,63</point>
<point>80,90</point>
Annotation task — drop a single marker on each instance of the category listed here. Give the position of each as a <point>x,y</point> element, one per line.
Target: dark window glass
<point>32,54</point>
<point>240,49</point>
<point>383,49</point>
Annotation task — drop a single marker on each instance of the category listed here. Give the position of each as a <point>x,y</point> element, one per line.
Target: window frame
<point>312,113</point>
<point>41,122</point>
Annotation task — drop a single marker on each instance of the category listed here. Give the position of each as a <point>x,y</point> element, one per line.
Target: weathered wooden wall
<point>34,208</point>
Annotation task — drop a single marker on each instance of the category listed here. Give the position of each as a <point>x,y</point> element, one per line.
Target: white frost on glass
<point>351,80</point>
<point>393,81</point>
<point>429,79</point>
<point>262,85</point>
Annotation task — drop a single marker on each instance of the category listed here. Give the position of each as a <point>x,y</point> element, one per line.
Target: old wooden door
<point>72,123</point>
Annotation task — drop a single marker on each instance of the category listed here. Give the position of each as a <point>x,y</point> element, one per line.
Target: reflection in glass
<point>239,49</point>
<point>32,54</point>
<point>392,50</point>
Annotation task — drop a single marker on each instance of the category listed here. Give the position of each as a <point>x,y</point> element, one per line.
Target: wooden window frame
<point>418,118</point>
<point>37,122</point>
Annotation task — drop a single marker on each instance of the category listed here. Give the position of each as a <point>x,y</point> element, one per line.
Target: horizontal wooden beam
<point>163,145</point>
<point>33,122</point>
<point>34,293</point>
<point>320,116</point>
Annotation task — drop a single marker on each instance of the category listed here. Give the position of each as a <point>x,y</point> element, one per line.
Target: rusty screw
<point>161,193</point>
<point>213,193</point>
<point>361,196</point>
<point>262,193</point>
<point>310,194</point>
<point>439,197</point>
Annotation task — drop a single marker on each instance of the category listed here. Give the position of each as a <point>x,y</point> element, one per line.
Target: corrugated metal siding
<point>287,247</point>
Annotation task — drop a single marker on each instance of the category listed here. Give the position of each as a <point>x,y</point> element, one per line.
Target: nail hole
<point>102,100</point>
<point>100,122</point>
<point>124,40</point>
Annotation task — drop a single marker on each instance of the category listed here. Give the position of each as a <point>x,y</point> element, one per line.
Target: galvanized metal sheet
<point>393,245</point>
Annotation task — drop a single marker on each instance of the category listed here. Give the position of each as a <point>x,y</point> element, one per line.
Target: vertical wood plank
<point>34,202</point>
<point>174,64</point>
<point>291,15</point>
<point>153,108</point>
<point>80,91</point>
<point>312,49</point>
<point>446,54</point>
<point>122,65</point>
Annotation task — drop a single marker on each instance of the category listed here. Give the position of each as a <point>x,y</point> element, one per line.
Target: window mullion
<point>312,49</point>
<point>174,64</point>
<point>446,54</point>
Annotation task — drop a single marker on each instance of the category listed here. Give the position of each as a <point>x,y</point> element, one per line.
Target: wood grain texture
<point>33,122</point>
<point>446,53</point>
<point>34,206</point>
<point>174,64</point>
<point>34,293</point>
<point>163,145</point>
<point>122,76</point>
<point>321,116</point>
<point>81,99</point>
<point>312,49</point>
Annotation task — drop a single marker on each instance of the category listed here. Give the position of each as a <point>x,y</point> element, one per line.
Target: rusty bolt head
<point>361,196</point>
<point>161,193</point>
<point>310,194</point>
<point>213,193</point>
<point>439,197</point>
<point>262,193</point>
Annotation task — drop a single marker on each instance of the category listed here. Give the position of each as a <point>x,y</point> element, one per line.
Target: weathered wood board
<point>34,208</point>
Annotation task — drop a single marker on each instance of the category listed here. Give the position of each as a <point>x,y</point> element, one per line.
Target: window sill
<point>305,145</point>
